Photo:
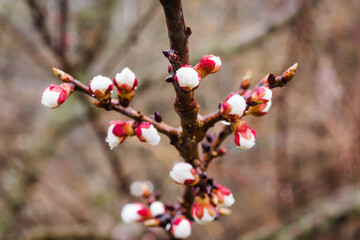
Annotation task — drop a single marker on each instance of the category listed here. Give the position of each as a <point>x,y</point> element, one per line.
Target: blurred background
<point>58,178</point>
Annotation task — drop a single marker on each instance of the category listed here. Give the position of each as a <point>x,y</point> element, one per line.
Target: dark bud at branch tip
<point>206,146</point>
<point>203,175</point>
<point>169,79</point>
<point>209,138</point>
<point>157,117</point>
<point>271,79</point>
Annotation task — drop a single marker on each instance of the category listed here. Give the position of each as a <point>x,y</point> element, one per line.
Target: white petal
<point>216,60</point>
<point>183,229</point>
<point>268,94</point>
<point>246,143</point>
<point>129,213</point>
<point>151,135</point>
<point>100,83</point>
<point>229,200</point>
<point>267,108</point>
<point>111,139</point>
<point>187,77</point>
<point>206,218</point>
<point>157,208</point>
<point>50,98</point>
<point>182,172</point>
<point>125,77</point>
<point>238,104</point>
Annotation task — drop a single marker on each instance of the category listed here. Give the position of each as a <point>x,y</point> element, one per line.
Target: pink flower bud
<point>181,227</point>
<point>187,78</point>
<point>117,132</point>
<point>225,196</point>
<point>260,95</point>
<point>233,107</point>
<point>203,211</point>
<point>208,64</point>
<point>260,109</point>
<point>134,212</point>
<point>101,87</point>
<point>54,95</point>
<point>184,173</point>
<point>126,80</point>
<point>244,136</point>
<point>147,133</point>
<point>157,208</point>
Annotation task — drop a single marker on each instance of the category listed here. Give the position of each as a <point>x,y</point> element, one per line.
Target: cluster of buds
<point>126,82</point>
<point>101,87</point>
<point>189,77</point>
<point>118,130</point>
<point>156,214</point>
<point>54,95</point>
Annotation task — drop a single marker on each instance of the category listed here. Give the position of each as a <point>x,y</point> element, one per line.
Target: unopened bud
<point>54,95</point>
<point>233,107</point>
<point>146,132</point>
<point>246,81</point>
<point>117,132</point>
<point>184,173</point>
<point>208,64</point>
<point>187,78</point>
<point>244,136</point>
<point>63,76</point>
<point>203,211</point>
<point>260,95</point>
<point>290,72</point>
<point>101,87</point>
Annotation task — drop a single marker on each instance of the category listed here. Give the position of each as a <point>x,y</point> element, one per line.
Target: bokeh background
<point>58,178</point>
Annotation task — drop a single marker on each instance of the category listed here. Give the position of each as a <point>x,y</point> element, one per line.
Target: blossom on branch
<point>187,78</point>
<point>181,227</point>
<point>54,95</point>
<point>225,196</point>
<point>260,109</point>
<point>208,64</point>
<point>146,132</point>
<point>157,208</point>
<point>134,212</point>
<point>260,95</point>
<point>125,80</point>
<point>203,211</point>
<point>117,132</point>
<point>101,87</point>
<point>184,173</point>
<point>244,136</point>
<point>233,107</point>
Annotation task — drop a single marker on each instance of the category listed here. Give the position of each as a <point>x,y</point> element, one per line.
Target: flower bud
<point>117,132</point>
<point>187,78</point>
<point>233,107</point>
<point>146,132</point>
<point>244,135</point>
<point>134,212</point>
<point>184,173</point>
<point>54,95</point>
<point>260,95</point>
<point>126,80</point>
<point>225,196</point>
<point>260,109</point>
<point>181,227</point>
<point>208,64</point>
<point>157,208</point>
<point>63,76</point>
<point>141,188</point>
<point>246,81</point>
<point>101,87</point>
<point>289,73</point>
<point>203,211</point>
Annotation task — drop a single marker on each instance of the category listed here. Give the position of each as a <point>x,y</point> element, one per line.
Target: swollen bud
<point>208,64</point>
<point>260,109</point>
<point>117,132</point>
<point>184,173</point>
<point>225,196</point>
<point>157,208</point>
<point>181,227</point>
<point>146,132</point>
<point>63,76</point>
<point>125,80</point>
<point>260,95</point>
<point>101,87</point>
<point>246,81</point>
<point>134,212</point>
<point>233,107</point>
<point>203,211</point>
<point>244,136</point>
<point>290,72</point>
<point>187,78</point>
<point>54,95</point>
